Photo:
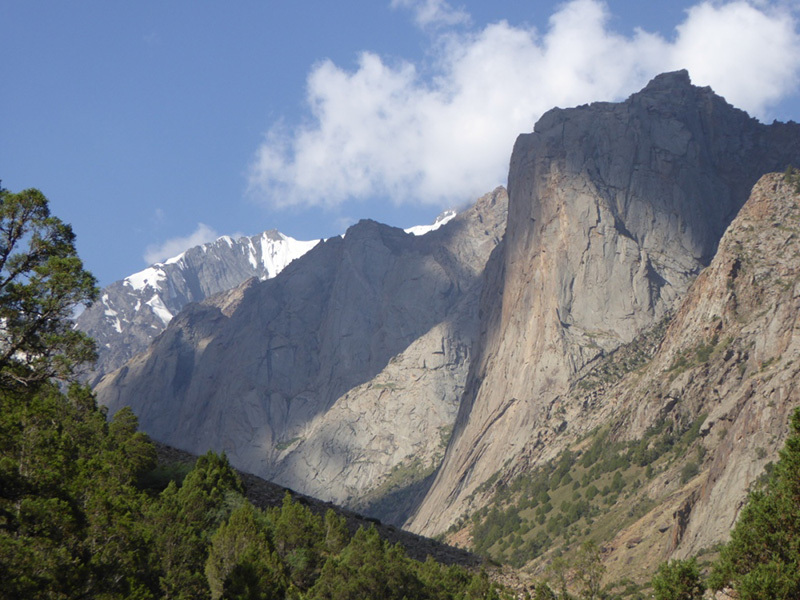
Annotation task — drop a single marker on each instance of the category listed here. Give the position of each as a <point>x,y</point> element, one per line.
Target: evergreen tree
<point>183,521</point>
<point>678,580</point>
<point>300,541</point>
<point>367,568</point>
<point>762,558</point>
<point>41,281</point>
<point>336,534</point>
<point>242,562</point>
<point>70,516</point>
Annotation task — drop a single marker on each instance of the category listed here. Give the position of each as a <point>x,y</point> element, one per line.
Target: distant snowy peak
<point>275,251</point>
<point>442,219</point>
<point>133,311</point>
<point>268,253</point>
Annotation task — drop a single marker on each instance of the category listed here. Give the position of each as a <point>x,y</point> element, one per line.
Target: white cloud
<point>384,130</point>
<point>747,54</point>
<point>172,247</point>
<point>433,13</point>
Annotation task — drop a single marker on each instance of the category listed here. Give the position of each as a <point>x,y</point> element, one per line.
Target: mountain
<point>729,363</point>
<point>133,311</point>
<point>654,449</point>
<point>614,208</point>
<point>337,376</point>
<point>604,352</point>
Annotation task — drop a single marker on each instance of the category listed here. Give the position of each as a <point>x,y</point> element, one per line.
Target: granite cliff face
<point>343,370</point>
<point>730,361</point>
<point>658,443</point>
<point>133,311</point>
<point>423,378</point>
<point>613,211</point>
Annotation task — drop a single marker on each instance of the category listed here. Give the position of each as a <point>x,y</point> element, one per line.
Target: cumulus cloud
<point>160,252</point>
<point>393,130</point>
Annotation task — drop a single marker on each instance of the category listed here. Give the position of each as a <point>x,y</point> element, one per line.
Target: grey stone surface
<point>133,311</point>
<point>613,211</point>
<point>346,364</point>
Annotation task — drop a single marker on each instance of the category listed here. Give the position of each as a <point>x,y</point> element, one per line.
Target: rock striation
<point>731,359</point>
<point>341,371</point>
<point>613,211</point>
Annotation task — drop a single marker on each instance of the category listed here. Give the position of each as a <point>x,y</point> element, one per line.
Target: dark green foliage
<point>678,580</point>
<point>183,520</point>
<point>300,540</point>
<point>762,559</point>
<point>86,513</point>
<point>242,562</point>
<point>41,281</point>
<point>689,470</point>
<point>367,568</point>
<point>70,514</point>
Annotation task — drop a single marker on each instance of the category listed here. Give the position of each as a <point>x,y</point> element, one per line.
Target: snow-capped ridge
<point>132,311</point>
<point>442,219</point>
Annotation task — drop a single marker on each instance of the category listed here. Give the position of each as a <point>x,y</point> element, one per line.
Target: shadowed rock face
<point>613,210</point>
<point>281,374</point>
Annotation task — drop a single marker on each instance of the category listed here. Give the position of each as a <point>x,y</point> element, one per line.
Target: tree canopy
<point>42,280</point>
<point>762,558</point>
<point>80,514</point>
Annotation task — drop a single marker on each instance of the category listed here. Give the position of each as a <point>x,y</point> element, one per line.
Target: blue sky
<point>152,126</point>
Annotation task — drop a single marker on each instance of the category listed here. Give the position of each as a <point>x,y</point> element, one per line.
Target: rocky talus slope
<point>613,211</point>
<point>133,311</point>
<point>687,416</point>
<point>340,375</point>
<point>731,361</point>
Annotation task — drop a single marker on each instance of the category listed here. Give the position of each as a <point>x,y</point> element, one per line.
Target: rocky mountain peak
<point>357,349</point>
<point>133,311</point>
<point>614,208</point>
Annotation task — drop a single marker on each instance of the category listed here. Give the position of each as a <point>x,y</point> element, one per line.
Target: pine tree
<point>762,558</point>
<point>42,280</point>
<point>678,580</point>
<point>242,562</point>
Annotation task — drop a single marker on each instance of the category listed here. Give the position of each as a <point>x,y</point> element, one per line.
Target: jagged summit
<point>133,311</point>
<point>270,374</point>
<point>614,209</point>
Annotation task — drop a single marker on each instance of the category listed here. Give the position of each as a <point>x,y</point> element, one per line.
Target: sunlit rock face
<point>614,208</point>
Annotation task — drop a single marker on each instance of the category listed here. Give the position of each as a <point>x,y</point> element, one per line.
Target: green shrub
<point>678,580</point>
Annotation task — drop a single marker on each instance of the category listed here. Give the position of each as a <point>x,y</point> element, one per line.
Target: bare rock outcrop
<point>613,211</point>
<point>326,378</point>
<point>731,357</point>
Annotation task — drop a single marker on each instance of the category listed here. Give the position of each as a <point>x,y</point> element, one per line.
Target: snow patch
<point>150,277</point>
<point>161,311</point>
<point>277,254</point>
<point>442,219</point>
<point>175,259</point>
